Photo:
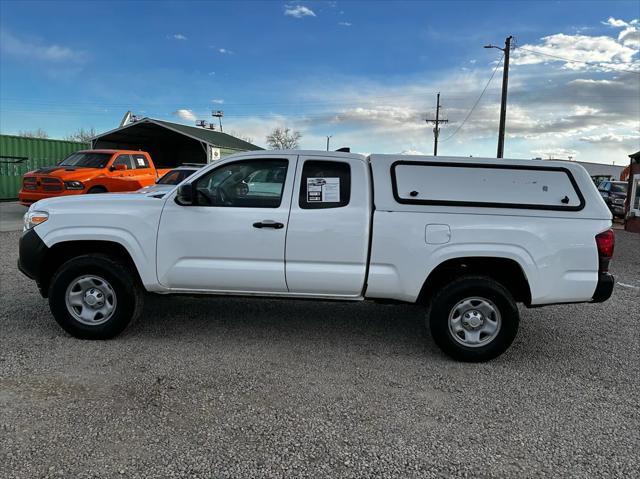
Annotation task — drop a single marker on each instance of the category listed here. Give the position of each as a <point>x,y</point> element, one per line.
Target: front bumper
<point>604,288</point>
<point>32,253</point>
<point>27,197</point>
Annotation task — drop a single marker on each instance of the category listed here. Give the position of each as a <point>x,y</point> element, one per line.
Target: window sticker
<point>140,161</point>
<point>323,190</point>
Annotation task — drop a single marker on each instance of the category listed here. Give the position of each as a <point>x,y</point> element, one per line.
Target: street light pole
<point>328,138</point>
<point>503,103</point>
<point>219,114</point>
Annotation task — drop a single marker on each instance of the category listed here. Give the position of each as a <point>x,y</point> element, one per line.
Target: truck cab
<point>241,209</point>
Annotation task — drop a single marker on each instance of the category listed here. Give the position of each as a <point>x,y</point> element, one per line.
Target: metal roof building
<point>171,144</point>
<point>599,171</point>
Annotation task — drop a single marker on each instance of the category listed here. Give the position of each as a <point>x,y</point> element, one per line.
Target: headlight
<point>73,185</point>
<point>34,218</point>
<point>618,201</point>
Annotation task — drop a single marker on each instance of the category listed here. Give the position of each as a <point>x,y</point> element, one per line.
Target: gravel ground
<point>259,388</point>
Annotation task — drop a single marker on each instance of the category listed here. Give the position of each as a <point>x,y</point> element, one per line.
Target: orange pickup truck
<point>90,171</point>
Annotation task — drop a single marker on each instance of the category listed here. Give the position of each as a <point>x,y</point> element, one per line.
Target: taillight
<point>605,242</point>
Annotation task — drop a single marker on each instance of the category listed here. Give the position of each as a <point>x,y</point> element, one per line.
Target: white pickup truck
<point>465,238</point>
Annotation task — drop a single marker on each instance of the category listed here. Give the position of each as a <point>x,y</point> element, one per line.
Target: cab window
<point>140,162</point>
<point>325,184</point>
<point>248,184</point>
<point>123,160</point>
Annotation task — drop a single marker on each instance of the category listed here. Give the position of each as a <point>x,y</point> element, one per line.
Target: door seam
<point>286,233</point>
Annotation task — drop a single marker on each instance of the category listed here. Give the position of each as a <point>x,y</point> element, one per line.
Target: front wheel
<point>94,297</point>
<point>473,318</point>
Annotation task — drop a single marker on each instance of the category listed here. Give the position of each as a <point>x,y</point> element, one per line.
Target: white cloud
<point>614,22</point>
<point>630,37</point>
<point>613,138</point>
<point>27,49</point>
<point>225,51</point>
<point>389,115</point>
<point>298,11</point>
<point>212,74</point>
<point>584,110</point>
<point>345,24</point>
<point>185,114</point>
<point>218,101</point>
<point>555,153</point>
<point>602,52</point>
<point>178,36</point>
<point>412,152</point>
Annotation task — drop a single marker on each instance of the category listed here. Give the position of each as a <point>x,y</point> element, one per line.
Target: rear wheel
<point>96,189</point>
<point>473,318</point>
<point>94,297</point>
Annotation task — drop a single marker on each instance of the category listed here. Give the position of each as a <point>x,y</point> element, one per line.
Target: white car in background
<point>168,181</point>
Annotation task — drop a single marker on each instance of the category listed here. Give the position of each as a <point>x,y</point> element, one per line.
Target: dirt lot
<point>259,388</point>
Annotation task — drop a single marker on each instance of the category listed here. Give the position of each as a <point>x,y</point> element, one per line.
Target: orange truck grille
<point>34,183</point>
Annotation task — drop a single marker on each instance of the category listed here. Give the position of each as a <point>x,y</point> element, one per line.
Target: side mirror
<point>184,196</point>
<point>119,167</point>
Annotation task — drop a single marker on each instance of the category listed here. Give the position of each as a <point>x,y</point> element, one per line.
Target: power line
<point>477,101</point>
<point>172,103</point>
<point>52,105</point>
<point>537,52</point>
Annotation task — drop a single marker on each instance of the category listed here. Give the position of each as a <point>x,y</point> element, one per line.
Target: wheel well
<point>503,270</point>
<point>98,187</point>
<point>60,253</point>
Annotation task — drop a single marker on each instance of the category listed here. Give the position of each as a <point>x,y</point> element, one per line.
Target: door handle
<point>268,224</point>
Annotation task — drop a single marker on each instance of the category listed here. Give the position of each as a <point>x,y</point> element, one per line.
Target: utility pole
<point>328,138</point>
<point>436,128</point>
<point>503,104</point>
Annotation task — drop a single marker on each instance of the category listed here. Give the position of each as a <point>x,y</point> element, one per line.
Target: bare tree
<point>82,135</point>
<point>248,139</point>
<point>283,139</point>
<point>39,133</point>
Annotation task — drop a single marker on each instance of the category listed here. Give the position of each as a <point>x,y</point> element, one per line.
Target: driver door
<point>118,179</point>
<point>232,239</point>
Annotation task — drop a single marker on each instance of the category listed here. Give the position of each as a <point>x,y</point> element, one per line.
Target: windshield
<point>87,160</point>
<point>174,177</point>
<point>619,188</point>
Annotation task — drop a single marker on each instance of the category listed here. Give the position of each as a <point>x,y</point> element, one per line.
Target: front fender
<point>131,221</point>
<point>142,256</point>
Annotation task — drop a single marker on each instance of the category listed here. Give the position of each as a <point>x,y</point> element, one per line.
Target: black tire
<point>94,190</point>
<point>459,290</point>
<point>127,304</point>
